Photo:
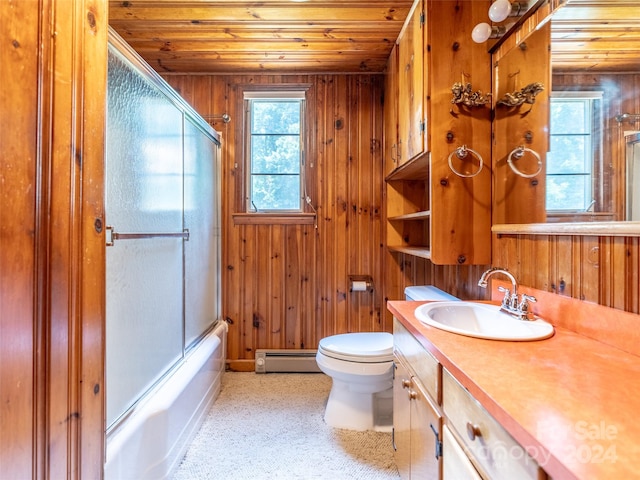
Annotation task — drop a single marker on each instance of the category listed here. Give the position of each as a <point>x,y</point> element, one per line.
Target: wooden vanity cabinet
<point>488,446</point>
<point>440,431</point>
<point>455,463</point>
<point>417,421</point>
<point>432,212</point>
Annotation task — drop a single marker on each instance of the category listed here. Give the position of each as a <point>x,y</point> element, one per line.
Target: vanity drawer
<point>455,464</point>
<point>492,448</point>
<point>424,365</point>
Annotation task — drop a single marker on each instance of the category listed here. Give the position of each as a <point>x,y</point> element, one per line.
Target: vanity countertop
<point>571,401</point>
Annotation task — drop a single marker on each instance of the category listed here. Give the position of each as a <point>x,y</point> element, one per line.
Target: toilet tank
<point>427,292</point>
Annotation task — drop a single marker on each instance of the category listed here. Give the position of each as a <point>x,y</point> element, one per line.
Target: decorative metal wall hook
<point>463,94</point>
<point>524,95</point>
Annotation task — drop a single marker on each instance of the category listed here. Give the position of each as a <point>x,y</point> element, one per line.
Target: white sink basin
<point>481,320</point>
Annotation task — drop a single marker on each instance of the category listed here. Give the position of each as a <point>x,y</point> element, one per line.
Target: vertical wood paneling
<point>337,134</point>
<point>54,64</point>
<point>293,280</point>
<point>590,269</point>
<point>632,303</point>
<point>286,286</point>
<point>601,270</point>
<point>19,329</point>
<point>619,278</point>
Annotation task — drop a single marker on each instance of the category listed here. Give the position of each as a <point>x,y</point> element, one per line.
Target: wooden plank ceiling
<point>340,36</point>
<point>269,36</point>
<point>597,36</point>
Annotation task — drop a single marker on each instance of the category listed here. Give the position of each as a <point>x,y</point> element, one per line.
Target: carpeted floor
<point>265,426</point>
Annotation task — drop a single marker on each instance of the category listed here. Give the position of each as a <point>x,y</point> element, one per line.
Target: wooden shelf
<point>424,215</point>
<point>602,229</point>
<point>422,252</point>
<point>415,169</point>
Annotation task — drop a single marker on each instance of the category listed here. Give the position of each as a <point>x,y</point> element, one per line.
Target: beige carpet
<point>265,426</point>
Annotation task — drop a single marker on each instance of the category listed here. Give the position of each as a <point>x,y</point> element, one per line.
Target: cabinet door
<point>425,435</point>
<point>402,419</point>
<point>416,427</point>
<point>410,87</point>
<point>391,112</point>
<point>456,464</point>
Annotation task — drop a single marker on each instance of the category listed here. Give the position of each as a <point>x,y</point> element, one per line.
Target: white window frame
<point>273,95</point>
<point>596,124</point>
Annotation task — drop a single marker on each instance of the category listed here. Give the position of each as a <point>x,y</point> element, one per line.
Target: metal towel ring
<point>461,153</point>
<point>518,153</point>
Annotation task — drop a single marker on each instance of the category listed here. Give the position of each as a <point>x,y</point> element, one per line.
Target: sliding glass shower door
<point>144,202</point>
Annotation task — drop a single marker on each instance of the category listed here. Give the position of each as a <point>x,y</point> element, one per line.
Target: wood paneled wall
<point>286,286</point>
<point>406,270</point>
<point>54,60</point>
<point>602,270</point>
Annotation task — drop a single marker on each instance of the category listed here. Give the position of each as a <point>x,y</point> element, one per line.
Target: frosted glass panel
<point>144,276</point>
<point>201,217</point>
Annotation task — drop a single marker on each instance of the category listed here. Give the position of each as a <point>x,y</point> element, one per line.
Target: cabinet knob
<point>413,394</point>
<point>406,383</point>
<point>473,431</point>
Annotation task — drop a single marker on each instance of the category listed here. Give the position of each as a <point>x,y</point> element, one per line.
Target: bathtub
<point>151,442</point>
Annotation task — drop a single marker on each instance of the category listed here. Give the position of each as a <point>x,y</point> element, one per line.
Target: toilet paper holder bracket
<point>361,283</point>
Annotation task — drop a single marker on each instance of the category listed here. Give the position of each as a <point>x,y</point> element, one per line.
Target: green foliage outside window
<point>571,157</point>
<point>275,153</point>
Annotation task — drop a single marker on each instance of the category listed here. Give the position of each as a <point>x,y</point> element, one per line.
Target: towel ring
<point>461,153</point>
<point>518,153</point>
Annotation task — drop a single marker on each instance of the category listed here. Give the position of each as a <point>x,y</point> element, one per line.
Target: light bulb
<point>499,10</point>
<point>481,32</point>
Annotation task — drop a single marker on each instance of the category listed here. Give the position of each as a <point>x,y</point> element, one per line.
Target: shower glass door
<point>144,298</point>
<point>202,219</point>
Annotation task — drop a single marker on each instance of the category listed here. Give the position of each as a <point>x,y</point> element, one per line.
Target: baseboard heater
<point>301,361</point>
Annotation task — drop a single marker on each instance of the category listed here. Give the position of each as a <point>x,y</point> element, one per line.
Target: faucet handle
<point>507,295</point>
<point>524,305</point>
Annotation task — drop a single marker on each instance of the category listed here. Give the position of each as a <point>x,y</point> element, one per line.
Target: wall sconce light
<point>483,32</point>
<point>499,11</point>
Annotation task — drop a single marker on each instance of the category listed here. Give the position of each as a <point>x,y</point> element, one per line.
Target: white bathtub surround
<point>151,441</point>
<point>271,427</point>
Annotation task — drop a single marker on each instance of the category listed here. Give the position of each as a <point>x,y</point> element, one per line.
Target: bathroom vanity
<point>563,407</point>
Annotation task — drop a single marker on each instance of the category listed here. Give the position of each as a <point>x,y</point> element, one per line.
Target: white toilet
<point>361,366</point>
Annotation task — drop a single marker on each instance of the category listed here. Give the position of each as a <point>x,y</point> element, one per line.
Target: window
<point>575,151</point>
<point>274,150</point>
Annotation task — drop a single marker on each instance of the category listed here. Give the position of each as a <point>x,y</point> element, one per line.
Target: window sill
<point>274,218</point>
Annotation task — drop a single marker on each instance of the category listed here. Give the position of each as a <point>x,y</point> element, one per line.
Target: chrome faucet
<point>512,303</point>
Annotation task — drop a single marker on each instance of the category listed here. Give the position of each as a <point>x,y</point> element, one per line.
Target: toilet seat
<point>363,347</point>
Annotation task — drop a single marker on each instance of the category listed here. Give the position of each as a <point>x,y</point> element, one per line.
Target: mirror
<point>592,77</point>
<point>520,134</point>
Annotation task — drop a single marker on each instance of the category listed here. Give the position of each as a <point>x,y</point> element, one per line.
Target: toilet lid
<point>362,347</point>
